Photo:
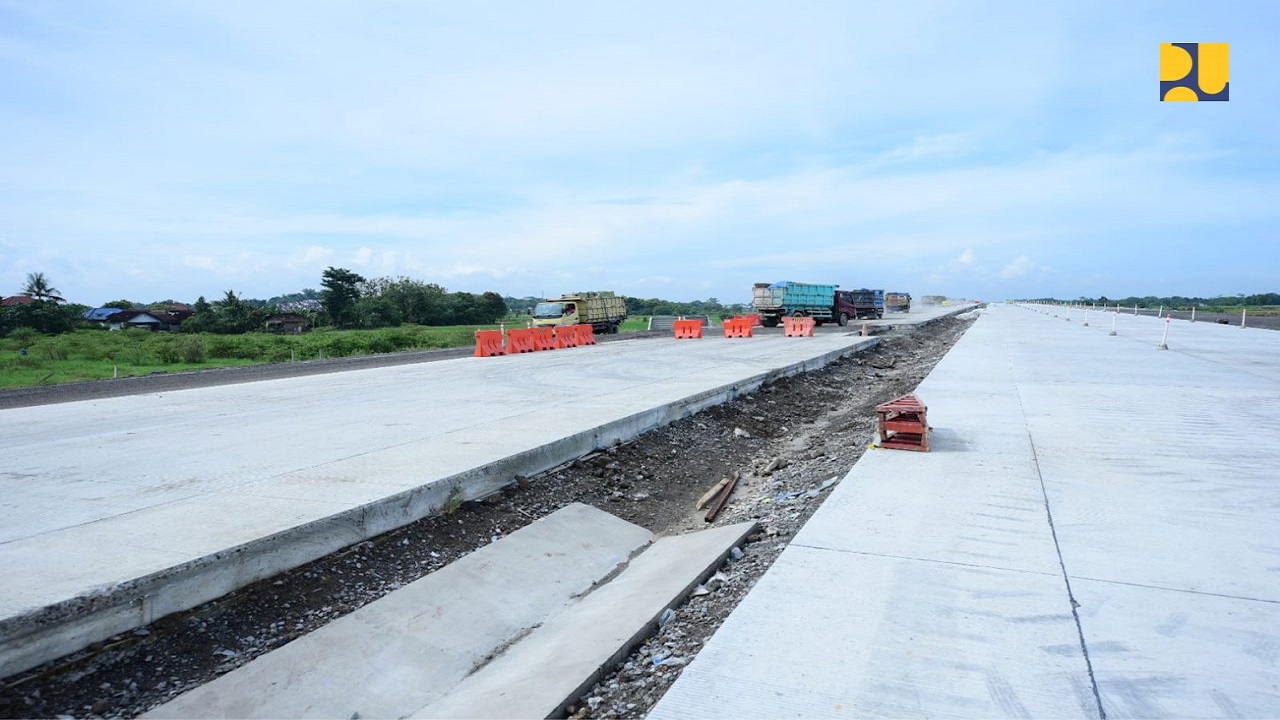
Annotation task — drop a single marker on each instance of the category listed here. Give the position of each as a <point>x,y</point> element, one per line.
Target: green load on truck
<point>603,311</point>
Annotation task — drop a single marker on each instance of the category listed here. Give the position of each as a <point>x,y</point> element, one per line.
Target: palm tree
<point>39,288</point>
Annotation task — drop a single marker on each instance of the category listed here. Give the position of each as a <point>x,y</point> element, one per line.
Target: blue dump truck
<point>823,303</point>
<point>861,303</point>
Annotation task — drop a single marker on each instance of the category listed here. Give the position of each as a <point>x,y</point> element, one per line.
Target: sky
<point>681,150</point>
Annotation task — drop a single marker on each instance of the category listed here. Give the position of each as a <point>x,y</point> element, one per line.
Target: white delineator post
<point>1113,321</point>
<point>1243,313</point>
<point>1164,341</point>
<point>1193,313</point>
<point>1086,318</point>
<point>1135,311</point>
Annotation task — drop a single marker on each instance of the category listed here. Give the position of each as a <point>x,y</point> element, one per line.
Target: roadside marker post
<point>1086,318</point>
<point>1243,313</point>
<point>1193,313</point>
<point>1164,341</point>
<point>1113,320</point>
<point>1135,310</point>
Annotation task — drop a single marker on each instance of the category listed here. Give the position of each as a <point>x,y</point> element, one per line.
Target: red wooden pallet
<point>904,424</point>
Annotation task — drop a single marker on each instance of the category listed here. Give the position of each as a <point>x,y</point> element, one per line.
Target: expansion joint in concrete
<point>1066,578</point>
<point>977,566</point>
<point>1188,591</point>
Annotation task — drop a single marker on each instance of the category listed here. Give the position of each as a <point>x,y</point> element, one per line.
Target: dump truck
<point>603,311</point>
<point>823,303</point>
<point>897,302</point>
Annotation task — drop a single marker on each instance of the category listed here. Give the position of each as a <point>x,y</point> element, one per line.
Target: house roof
<point>135,317</point>
<point>148,317</point>
<point>15,300</point>
<point>100,314</point>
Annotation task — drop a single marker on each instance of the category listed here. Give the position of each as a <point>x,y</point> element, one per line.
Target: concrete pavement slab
<point>1125,493</point>
<point>408,648</point>
<point>1169,654</point>
<point>831,634</point>
<point>546,670</point>
<point>213,488</point>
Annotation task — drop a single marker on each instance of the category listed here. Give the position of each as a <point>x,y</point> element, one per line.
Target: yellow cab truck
<point>603,311</point>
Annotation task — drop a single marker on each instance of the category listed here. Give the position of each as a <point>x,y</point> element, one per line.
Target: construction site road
<point>127,509</point>
<point>1092,534</point>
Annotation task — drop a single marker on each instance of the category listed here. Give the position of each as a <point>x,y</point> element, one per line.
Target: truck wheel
<point>797,314</point>
<point>843,320</point>
<point>769,321</point>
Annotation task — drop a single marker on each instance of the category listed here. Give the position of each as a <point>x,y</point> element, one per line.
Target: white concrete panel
<point>1168,654</point>
<point>1158,469</point>
<point>410,647</point>
<point>547,669</point>
<point>837,634</point>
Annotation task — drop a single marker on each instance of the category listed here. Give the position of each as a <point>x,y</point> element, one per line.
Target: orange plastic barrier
<point>798,326</point>
<point>520,341</point>
<point>687,329</point>
<point>737,327</point>
<point>544,338</point>
<point>586,334</point>
<point>566,336</point>
<point>488,343</point>
<point>755,319</point>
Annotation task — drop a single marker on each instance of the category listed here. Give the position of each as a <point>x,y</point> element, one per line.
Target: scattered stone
<point>739,432</point>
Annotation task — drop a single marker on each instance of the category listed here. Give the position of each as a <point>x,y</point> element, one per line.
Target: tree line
<point>347,301</point>
<point>1178,301</point>
<point>644,306</point>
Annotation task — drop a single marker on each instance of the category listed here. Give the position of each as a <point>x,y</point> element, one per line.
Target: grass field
<point>100,354</point>
<point>1255,311</point>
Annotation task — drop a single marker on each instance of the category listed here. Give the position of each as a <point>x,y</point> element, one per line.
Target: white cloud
<point>928,146</point>
<point>1020,266</point>
<point>966,257</point>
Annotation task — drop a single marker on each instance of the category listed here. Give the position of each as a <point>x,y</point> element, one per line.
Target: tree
<point>494,307</point>
<point>121,304</point>
<point>203,317</point>
<point>341,291</point>
<point>39,288</point>
<point>377,311</point>
<point>42,316</point>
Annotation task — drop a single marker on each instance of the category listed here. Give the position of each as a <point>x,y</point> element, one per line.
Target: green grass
<point>100,354</point>
<point>1255,311</point>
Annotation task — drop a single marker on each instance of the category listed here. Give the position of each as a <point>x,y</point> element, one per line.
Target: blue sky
<point>683,150</point>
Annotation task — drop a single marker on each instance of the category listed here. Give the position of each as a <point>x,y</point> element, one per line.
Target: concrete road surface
<point>120,510</point>
<point>1094,532</point>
